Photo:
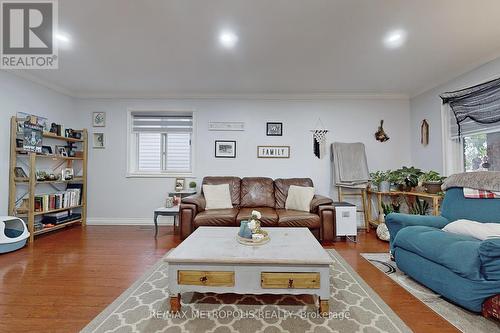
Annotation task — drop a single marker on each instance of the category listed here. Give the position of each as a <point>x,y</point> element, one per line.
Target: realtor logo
<point>28,30</point>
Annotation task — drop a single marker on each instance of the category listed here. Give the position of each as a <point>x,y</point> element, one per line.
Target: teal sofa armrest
<point>489,253</point>
<point>397,221</point>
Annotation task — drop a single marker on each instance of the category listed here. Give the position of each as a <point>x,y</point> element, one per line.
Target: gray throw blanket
<point>480,180</point>
<point>350,165</point>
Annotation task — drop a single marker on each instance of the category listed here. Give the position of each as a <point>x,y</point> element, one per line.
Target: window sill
<point>159,175</point>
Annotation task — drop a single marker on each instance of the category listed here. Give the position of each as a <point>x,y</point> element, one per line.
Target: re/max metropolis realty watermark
<point>28,34</point>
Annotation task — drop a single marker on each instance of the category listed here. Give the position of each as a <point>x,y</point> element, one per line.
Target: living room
<point>250,166</point>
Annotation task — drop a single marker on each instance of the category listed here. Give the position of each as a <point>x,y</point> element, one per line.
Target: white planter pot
<point>384,186</point>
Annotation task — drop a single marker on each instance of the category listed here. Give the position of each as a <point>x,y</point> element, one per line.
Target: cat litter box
<point>13,233</point>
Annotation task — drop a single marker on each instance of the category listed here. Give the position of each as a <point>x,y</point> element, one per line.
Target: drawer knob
<point>290,283</point>
<point>203,279</point>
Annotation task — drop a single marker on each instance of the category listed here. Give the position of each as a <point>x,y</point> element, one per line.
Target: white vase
<point>384,186</point>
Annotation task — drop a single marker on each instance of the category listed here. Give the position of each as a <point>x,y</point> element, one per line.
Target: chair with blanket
<point>458,266</point>
<point>351,173</point>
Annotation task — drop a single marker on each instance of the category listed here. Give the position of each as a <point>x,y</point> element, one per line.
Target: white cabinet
<point>345,219</point>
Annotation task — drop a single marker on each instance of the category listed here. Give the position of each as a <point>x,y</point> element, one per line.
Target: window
<point>160,143</point>
<point>482,152</point>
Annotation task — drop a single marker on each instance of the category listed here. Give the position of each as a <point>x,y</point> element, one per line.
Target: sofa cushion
<point>234,186</point>
<point>295,218</point>
<point>458,253</point>
<point>217,196</point>
<point>474,229</point>
<point>257,192</point>
<point>299,198</point>
<point>216,217</point>
<point>269,216</point>
<point>281,187</point>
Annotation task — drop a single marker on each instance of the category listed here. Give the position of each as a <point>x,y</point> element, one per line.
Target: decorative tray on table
<point>253,241</point>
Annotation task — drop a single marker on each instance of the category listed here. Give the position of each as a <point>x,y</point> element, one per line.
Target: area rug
<point>462,319</point>
<point>144,307</point>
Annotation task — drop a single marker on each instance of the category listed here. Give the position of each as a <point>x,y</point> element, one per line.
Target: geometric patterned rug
<point>462,319</point>
<point>144,308</point>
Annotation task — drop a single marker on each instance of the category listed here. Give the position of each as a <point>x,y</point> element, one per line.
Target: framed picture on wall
<point>99,119</point>
<point>99,140</point>
<point>225,149</point>
<point>274,129</point>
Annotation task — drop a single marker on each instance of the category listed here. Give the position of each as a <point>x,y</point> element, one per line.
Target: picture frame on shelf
<point>99,119</point>
<point>273,151</point>
<point>99,142</point>
<point>19,143</point>
<point>61,151</point>
<point>67,174</point>
<point>274,129</point>
<point>225,149</point>
<point>47,150</point>
<point>19,172</point>
<point>179,184</point>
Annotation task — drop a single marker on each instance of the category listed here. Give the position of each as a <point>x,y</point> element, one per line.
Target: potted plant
<point>432,181</point>
<point>382,180</point>
<point>407,178</point>
<point>192,185</point>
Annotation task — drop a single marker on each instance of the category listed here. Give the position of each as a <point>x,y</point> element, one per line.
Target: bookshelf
<point>27,189</point>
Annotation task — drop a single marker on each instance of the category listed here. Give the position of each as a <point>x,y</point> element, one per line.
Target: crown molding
<point>244,96</point>
<point>306,96</point>
<point>30,77</point>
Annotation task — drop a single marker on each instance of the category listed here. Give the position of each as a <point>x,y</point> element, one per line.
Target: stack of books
<point>66,199</point>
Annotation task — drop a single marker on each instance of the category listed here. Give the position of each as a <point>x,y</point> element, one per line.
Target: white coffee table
<point>212,260</point>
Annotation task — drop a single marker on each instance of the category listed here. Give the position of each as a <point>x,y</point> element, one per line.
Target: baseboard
<point>128,221</point>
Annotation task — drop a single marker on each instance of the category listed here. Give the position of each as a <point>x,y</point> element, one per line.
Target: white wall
<point>428,106</point>
<point>112,195</point>
<point>20,95</point>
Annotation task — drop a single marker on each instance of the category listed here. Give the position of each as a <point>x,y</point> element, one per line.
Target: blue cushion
<point>455,206</point>
<point>458,253</point>
<point>489,252</point>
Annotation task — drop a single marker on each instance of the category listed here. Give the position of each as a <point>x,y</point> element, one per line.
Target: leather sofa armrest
<point>397,221</point>
<point>196,199</point>
<point>327,222</point>
<point>319,200</point>
<point>187,212</point>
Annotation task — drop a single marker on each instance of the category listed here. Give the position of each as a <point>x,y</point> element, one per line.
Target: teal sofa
<point>462,269</point>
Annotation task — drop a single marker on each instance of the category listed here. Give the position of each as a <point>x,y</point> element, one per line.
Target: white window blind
<point>163,142</point>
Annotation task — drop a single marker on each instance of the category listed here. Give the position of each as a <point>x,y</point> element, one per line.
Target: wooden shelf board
<point>56,227</point>
<point>52,156</point>
<point>417,194</point>
<point>26,180</point>
<point>63,138</point>
<point>20,213</point>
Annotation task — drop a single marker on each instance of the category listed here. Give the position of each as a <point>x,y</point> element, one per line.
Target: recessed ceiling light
<point>228,39</point>
<point>395,38</point>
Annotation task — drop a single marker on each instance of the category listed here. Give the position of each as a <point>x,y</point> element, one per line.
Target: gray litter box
<point>13,234</point>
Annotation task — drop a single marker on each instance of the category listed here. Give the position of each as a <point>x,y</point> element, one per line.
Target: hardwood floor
<point>68,277</point>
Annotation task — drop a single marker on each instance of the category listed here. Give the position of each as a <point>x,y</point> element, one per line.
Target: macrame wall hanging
<point>319,139</point>
<point>424,133</point>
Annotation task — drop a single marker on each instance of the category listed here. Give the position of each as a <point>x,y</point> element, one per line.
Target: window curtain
<point>475,109</point>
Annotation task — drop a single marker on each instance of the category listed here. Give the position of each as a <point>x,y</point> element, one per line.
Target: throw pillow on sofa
<point>217,196</point>
<point>299,198</point>
<point>474,229</point>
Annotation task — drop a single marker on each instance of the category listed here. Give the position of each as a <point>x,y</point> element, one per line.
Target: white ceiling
<point>148,47</point>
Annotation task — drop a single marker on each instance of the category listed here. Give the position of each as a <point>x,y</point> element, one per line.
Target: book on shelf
<point>59,200</point>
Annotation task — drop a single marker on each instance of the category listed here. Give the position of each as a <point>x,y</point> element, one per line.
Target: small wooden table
<point>212,260</point>
<point>166,211</point>
<point>436,198</point>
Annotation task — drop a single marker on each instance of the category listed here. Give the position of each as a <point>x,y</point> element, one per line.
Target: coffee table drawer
<point>290,280</point>
<point>206,278</point>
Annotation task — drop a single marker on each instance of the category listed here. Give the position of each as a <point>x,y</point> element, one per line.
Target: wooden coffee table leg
<point>175,303</point>
<point>324,307</point>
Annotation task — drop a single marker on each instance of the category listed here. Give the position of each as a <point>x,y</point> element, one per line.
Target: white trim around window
<point>133,144</point>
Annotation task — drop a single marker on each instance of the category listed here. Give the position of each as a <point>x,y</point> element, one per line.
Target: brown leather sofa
<point>266,196</point>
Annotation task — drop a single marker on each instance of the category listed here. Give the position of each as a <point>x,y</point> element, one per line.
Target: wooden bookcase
<point>28,185</point>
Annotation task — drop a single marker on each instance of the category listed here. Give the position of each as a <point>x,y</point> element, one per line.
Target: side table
<point>164,211</point>
<point>182,194</point>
